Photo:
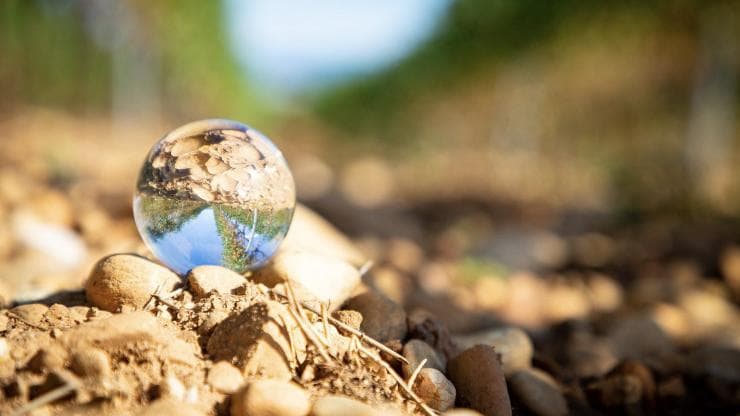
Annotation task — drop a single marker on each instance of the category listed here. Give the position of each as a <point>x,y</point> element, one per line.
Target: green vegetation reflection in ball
<point>214,192</point>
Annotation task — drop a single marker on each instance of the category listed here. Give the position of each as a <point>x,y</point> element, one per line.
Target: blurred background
<point>527,161</point>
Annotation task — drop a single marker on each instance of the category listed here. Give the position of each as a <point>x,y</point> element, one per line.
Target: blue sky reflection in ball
<point>214,192</point>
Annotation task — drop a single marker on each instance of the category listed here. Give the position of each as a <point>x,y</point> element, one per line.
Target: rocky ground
<point>90,324</point>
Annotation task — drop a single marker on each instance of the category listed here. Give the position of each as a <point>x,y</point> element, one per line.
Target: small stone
<point>349,317</point>
<point>415,351</point>
<point>32,313</point>
<point>333,405</point>
<point>206,279</point>
<point>461,412</point>
<point>170,406</point>
<point>311,232</point>
<point>256,341</point>
<point>479,380</point>
<point>639,338</point>
<point>271,398</point>
<point>382,318</point>
<point>435,389</point>
<point>127,280</point>
<point>224,377</point>
<point>314,277</point>
<point>91,362</point>
<point>538,392</point>
<point>513,344</point>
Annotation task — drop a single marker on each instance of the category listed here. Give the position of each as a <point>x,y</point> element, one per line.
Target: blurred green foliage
<point>475,36</point>
<point>64,54</point>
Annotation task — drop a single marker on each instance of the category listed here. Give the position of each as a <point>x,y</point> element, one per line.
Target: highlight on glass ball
<point>214,192</point>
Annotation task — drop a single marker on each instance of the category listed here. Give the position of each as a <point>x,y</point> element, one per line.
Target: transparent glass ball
<point>214,192</point>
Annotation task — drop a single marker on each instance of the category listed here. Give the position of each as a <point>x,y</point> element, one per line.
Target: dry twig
<point>412,379</point>
<point>46,398</point>
<point>426,409</point>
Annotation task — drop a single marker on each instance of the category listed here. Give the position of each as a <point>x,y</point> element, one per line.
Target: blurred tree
<point>475,36</point>
<point>122,56</point>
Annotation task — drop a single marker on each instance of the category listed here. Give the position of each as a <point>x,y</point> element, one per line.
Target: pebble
<point>382,318</point>
<point>538,392</point>
<point>206,279</point>
<point>479,380</point>
<point>224,377</point>
<point>256,341</point>
<point>435,389</point>
<point>127,280</point>
<point>461,412</point>
<point>271,398</point>
<point>314,277</point>
<point>311,232</point>
<point>638,338</point>
<point>513,344</point>
<point>91,362</point>
<point>415,351</point>
<point>334,405</point>
<point>169,406</point>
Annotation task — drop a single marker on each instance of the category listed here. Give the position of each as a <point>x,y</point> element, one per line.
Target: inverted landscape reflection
<point>185,233</point>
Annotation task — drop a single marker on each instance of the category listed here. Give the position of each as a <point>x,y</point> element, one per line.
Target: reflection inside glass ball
<point>214,192</point>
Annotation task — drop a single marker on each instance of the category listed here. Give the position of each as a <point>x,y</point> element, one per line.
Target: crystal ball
<point>214,192</point>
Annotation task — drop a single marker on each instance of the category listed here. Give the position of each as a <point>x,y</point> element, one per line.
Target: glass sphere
<point>214,192</point>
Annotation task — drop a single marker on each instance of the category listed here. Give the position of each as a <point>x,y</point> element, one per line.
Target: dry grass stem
<point>46,398</point>
<point>293,350</point>
<point>426,409</point>
<point>366,267</point>
<point>310,334</point>
<point>412,379</point>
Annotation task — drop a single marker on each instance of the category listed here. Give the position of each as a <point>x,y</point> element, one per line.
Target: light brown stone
<point>538,392</point>
<point>271,398</point>
<point>127,280</point>
<point>512,344</point>
<point>333,405</point>
<point>224,377</point>
<point>435,389</point>
<point>415,351</point>
<point>206,279</point>
<point>314,277</point>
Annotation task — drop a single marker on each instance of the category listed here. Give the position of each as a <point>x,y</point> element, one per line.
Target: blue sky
<point>293,45</point>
